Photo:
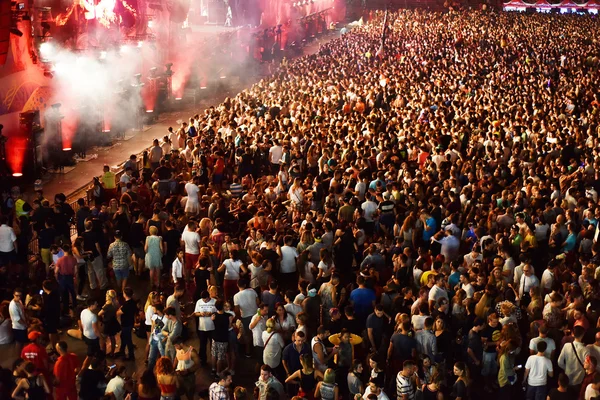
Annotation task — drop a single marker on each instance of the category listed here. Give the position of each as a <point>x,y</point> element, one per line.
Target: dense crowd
<point>416,220</point>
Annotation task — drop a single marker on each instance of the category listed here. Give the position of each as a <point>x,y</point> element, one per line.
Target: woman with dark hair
<point>284,322</point>
<point>33,386</point>
<point>147,388</point>
<point>461,386</point>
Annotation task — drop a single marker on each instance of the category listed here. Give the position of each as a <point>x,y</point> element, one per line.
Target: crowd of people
<point>411,217</point>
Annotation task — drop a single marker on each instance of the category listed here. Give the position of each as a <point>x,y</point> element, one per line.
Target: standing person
<point>205,308</point>
<point>407,381</point>
<point>156,336</point>
<point>292,355</point>
<point>109,183</point>
<point>33,385</point>
<point>220,338</point>
<point>35,353</point>
<point>266,382</point>
<point>220,390</point>
<point>233,267</point>
<point>90,331</point>
<point>108,314</point>
<point>190,240</point>
<point>245,302</point>
<point>65,371</point>
<point>66,270</point>
<point>93,252</point>
<point>172,330</point>
<point>321,355</point>
<point>166,379</point>
<point>192,205</point>
<point>288,275</point>
<point>258,325</point>
<point>127,313</point>
<point>187,363</point>
<point>537,370</point>
<point>18,319</point>
<point>571,357</point>
<point>460,389</point>
<point>154,252</point>
<point>8,242</point>
<point>562,391</point>
<point>327,389</point>
<point>120,254</point>
<point>51,310</point>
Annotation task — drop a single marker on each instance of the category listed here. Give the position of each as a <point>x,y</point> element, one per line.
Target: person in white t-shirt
<point>90,330</point>
<point>592,391</point>
<point>177,267</point>
<point>437,291</point>
<point>192,205</point>
<point>233,268</point>
<point>191,240</point>
<point>116,386</point>
<point>245,302</point>
<point>288,277</point>
<point>550,345</point>
<point>258,325</point>
<point>466,285</point>
<point>537,370</point>
<point>205,308</point>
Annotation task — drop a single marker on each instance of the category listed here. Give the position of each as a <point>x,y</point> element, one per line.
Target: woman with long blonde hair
<point>109,318</point>
<point>149,310</point>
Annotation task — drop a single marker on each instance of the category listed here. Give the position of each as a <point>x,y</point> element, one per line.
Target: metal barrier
<point>34,248</point>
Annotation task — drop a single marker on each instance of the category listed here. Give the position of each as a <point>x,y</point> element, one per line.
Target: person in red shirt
<point>66,369</point>
<point>35,353</point>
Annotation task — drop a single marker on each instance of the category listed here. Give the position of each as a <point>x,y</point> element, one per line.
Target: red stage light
<point>66,149</point>
<point>17,174</point>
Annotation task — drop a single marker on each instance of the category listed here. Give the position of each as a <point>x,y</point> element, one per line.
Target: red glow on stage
<point>16,148</point>
<point>70,123</point>
<point>17,174</point>
<point>66,149</point>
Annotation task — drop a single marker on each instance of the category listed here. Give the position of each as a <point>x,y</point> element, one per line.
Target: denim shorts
<point>121,273</point>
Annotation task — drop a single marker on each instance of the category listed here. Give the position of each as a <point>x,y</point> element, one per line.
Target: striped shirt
<point>404,387</point>
<point>235,189</point>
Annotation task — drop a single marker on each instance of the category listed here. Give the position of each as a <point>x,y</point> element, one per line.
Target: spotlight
<point>140,44</point>
<point>102,55</point>
<point>66,149</point>
<point>17,174</point>
<point>169,71</point>
<point>223,77</point>
<point>17,32</point>
<point>177,98</point>
<point>150,24</point>
<point>202,87</point>
<point>149,111</point>
<point>46,49</point>
<point>124,49</point>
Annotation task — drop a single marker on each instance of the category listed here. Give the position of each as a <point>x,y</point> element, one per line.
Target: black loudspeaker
<point>217,10</point>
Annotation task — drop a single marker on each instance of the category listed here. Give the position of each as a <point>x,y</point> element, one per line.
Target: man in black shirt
<point>82,214</point>
<point>93,381</point>
<point>350,323</point>
<point>164,176</point>
<point>127,313</point>
<point>475,346</point>
<point>51,310</point>
<point>91,246</point>
<point>220,340</point>
<point>172,238</point>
